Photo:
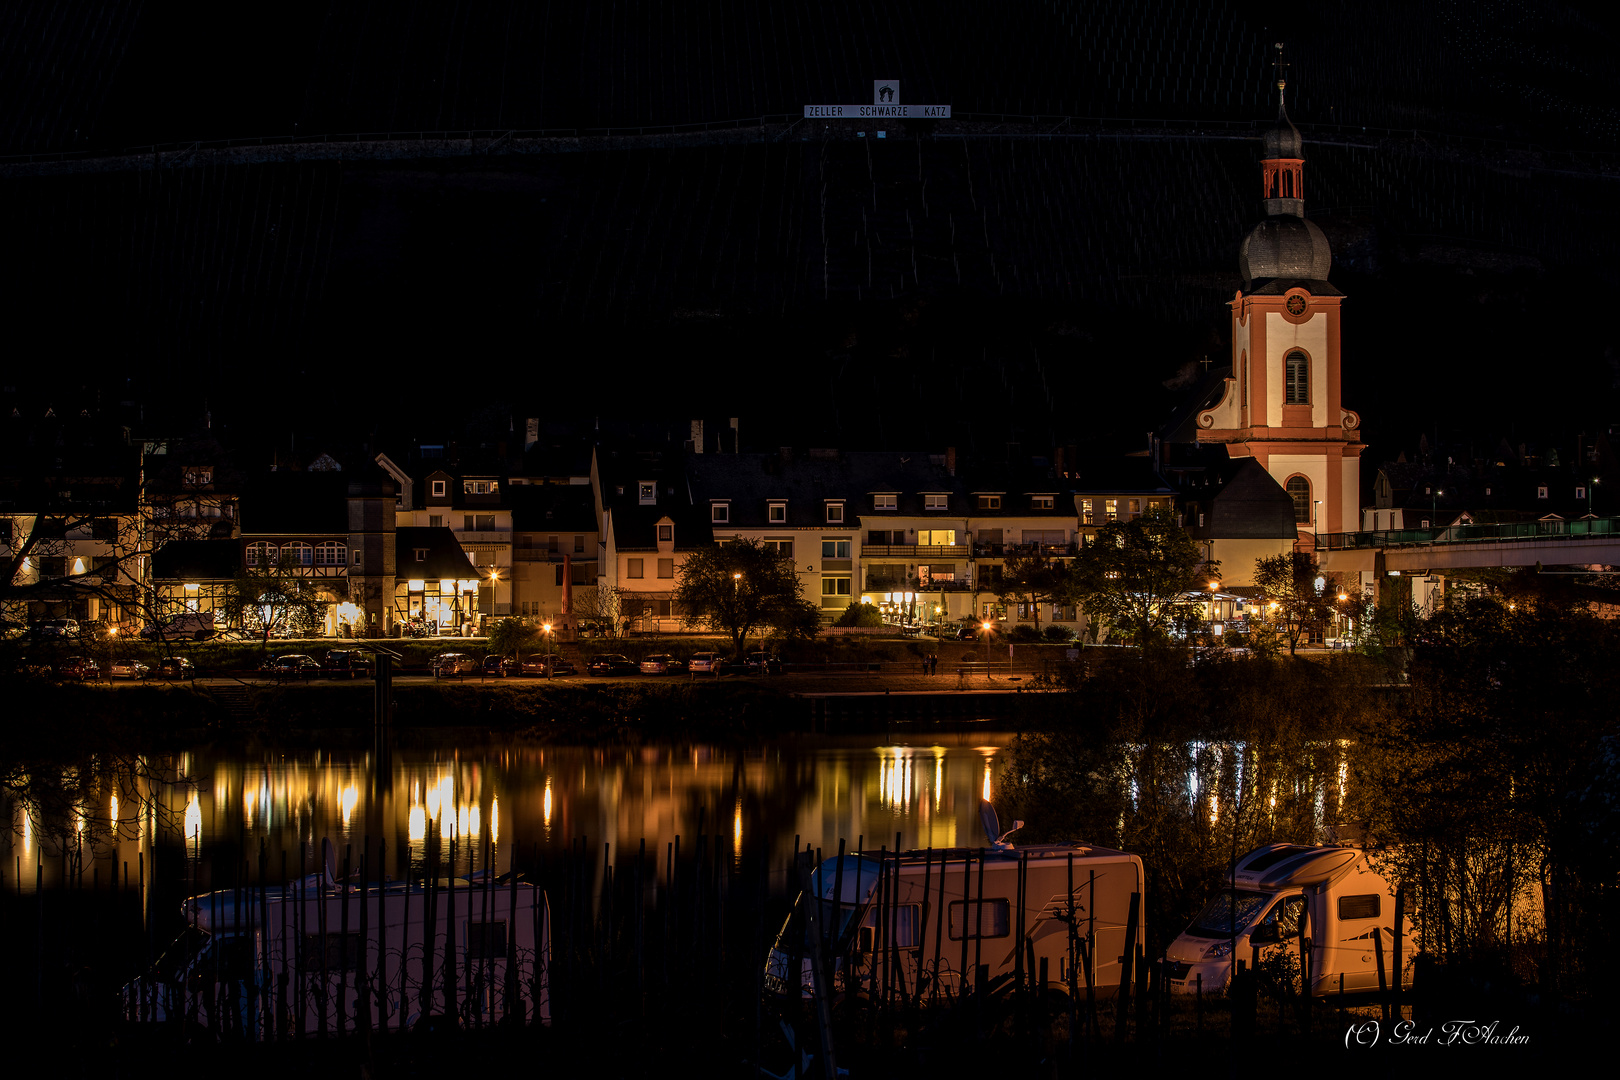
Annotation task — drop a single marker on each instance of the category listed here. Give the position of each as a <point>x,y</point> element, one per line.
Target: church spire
<point>1282,160</point>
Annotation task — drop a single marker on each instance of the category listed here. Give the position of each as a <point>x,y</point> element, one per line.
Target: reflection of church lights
<point>736,828</point>
<point>939,775</point>
<point>27,829</point>
<point>113,816</point>
<point>545,804</point>
<point>985,794</point>
<point>473,821</point>
<point>351,796</point>
<point>495,819</point>
<point>418,823</point>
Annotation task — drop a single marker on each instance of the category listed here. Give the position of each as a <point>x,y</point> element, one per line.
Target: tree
<point>1137,574</point>
<point>1036,580</point>
<point>740,587</point>
<point>509,637</point>
<point>599,608</point>
<point>1294,600</point>
<point>275,599</point>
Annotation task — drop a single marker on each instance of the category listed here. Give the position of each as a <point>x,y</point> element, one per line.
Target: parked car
<point>612,664</point>
<point>448,665</point>
<point>705,663</point>
<point>127,669</point>
<point>79,667</point>
<point>662,664</point>
<point>174,667</point>
<point>550,665</point>
<point>293,666</point>
<point>190,626</point>
<point>762,663</point>
<point>499,667</point>
<point>347,664</point>
<point>57,628</point>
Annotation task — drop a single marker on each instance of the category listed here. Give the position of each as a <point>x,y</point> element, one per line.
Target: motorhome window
<point>487,941</point>
<point>1281,923</point>
<point>978,919</point>
<point>903,930</point>
<point>1358,907</point>
<point>342,952</point>
<point>1216,918</point>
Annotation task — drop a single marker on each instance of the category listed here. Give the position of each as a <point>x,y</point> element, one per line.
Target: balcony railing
<point>1466,534</point>
<point>483,536</point>
<point>1005,551</point>
<point>930,551</point>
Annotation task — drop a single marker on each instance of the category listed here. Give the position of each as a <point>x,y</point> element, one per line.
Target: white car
<point>127,669</point>
<point>705,663</point>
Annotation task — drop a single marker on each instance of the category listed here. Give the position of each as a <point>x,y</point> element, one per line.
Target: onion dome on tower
<point>1285,250</point>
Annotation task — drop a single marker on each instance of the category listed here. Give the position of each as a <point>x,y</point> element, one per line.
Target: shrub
<point>1023,633</point>
<point>860,615</point>
<point>1062,635</point>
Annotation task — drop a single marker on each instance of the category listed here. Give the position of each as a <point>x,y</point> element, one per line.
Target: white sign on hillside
<point>885,106</point>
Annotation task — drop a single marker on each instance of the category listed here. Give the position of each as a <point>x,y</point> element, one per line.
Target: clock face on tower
<point>1296,305</point>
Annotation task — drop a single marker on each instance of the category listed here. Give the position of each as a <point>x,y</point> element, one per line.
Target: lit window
<point>883,502</point>
<point>934,502</point>
<point>1087,515</point>
<point>1135,506</point>
<point>331,553</point>
<point>776,511</point>
<point>1298,378</point>
<point>1111,509</point>
<point>720,512</point>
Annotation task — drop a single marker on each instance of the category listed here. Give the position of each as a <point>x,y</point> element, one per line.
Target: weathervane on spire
<point>1279,68</point>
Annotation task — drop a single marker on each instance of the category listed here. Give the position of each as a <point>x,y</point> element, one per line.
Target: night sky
<point>987,281</point>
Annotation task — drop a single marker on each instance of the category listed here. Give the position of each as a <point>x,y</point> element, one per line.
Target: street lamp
<point>545,629</point>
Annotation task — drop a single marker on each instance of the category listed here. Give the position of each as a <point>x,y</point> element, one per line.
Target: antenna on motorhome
<point>992,825</point>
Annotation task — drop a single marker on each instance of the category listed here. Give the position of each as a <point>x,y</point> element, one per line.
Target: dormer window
<point>835,513</point>
<point>720,512</point>
<point>1041,502</point>
<point>438,489</point>
<point>776,512</point>
<point>666,534</point>
<point>480,487</point>
<point>1580,493</point>
<point>421,554</point>
<point>934,502</point>
<point>1541,492</point>
<point>883,502</point>
<point>989,502</point>
<point>647,493</point>
<point>197,476</point>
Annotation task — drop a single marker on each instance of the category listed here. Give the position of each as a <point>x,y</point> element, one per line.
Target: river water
<point>199,813</point>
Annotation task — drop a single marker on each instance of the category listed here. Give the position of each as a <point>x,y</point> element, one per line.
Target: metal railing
<point>1579,528</point>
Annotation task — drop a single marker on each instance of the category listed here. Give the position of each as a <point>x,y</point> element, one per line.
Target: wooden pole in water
<point>451,1012</point>
<point>939,926</point>
<point>922,920</point>
<point>343,946</point>
<point>362,1017</point>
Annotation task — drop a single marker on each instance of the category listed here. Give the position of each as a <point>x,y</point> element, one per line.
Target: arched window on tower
<point>1298,367</point>
<point>1299,489</point>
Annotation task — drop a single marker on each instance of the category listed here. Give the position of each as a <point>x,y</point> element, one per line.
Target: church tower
<point>1281,402</point>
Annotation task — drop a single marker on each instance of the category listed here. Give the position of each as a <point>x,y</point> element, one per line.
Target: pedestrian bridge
<point>1581,542</point>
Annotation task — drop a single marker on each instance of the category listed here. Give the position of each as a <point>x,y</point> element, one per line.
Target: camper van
<point>317,956</point>
<point>945,922</point>
<point>1348,913</point>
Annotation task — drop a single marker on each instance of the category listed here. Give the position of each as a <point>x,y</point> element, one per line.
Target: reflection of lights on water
<point>27,829</point>
<point>545,804</point>
<point>351,796</point>
<point>194,822</point>
<point>985,794</point>
<point>114,813</point>
<point>939,775</point>
<point>473,818</point>
<point>495,819</point>
<point>418,823</point>
<point>736,827</point>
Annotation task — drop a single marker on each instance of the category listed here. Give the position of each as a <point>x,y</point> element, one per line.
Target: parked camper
<point>940,916</point>
<point>1348,912</point>
<point>360,960</point>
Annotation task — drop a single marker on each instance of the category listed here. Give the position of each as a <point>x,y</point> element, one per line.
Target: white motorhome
<point>1348,910</point>
<point>924,922</point>
<point>359,959</point>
